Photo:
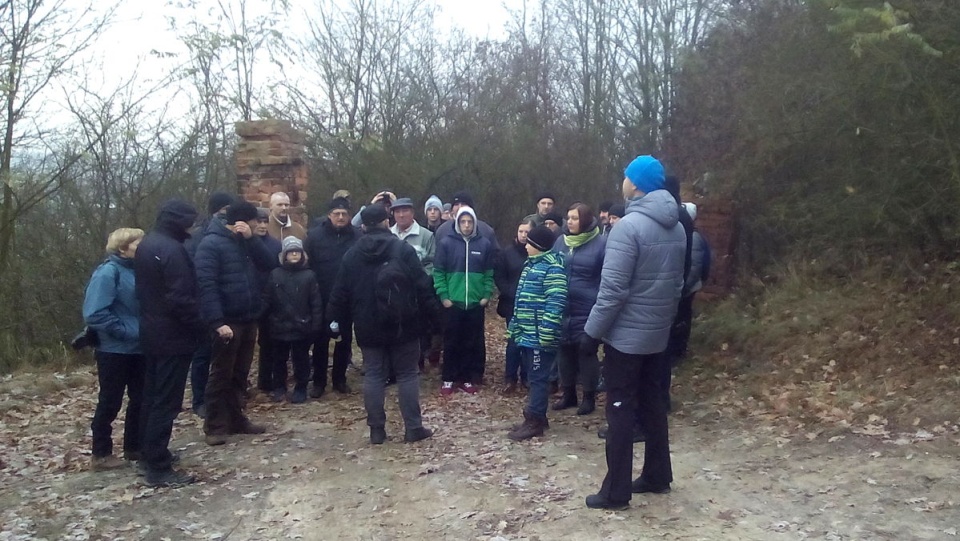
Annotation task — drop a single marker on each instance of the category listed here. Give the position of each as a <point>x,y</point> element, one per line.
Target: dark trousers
<point>377,363</point>
<point>514,362</point>
<point>464,347</point>
<point>116,372</point>
<point>298,352</point>
<point>576,368</point>
<point>633,391</point>
<point>265,362</point>
<point>677,345</point>
<point>163,386</point>
<point>229,367</point>
<point>341,356</point>
<point>200,371</point>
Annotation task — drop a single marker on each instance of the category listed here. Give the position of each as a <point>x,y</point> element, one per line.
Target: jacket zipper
<point>466,298</point>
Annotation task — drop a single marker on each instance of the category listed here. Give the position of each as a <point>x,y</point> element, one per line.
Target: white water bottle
<point>335,331</point>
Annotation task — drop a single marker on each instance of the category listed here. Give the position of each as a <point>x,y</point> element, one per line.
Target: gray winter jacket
<point>642,277</point>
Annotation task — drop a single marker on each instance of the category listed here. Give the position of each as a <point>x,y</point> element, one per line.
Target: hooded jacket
<point>353,297</point>
<point>229,275</point>
<point>110,306</point>
<point>166,285</point>
<point>541,299</point>
<point>293,304</point>
<point>642,277</point>
<point>583,266</point>
<point>463,269</point>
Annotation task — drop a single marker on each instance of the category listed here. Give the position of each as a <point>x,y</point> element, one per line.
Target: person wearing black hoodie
<point>506,275</point>
<point>384,341</point>
<point>170,331</point>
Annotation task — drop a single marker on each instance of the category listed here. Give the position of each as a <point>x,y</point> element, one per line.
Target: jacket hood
<point>176,217</point>
<point>659,205</point>
<point>476,224</point>
<point>374,246</point>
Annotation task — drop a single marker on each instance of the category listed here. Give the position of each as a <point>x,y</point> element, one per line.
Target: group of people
<point>196,297</point>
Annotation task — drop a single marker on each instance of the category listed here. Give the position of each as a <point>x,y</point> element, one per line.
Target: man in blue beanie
<point>640,286</point>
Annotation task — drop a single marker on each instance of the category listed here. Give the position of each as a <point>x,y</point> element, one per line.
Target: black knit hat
<point>241,211</point>
<point>338,203</point>
<point>541,238</point>
<point>217,201</point>
<point>618,210</point>
<point>462,198</point>
<point>546,195</point>
<point>554,217</point>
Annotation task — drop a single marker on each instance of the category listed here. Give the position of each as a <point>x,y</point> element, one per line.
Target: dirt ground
<point>315,476</point>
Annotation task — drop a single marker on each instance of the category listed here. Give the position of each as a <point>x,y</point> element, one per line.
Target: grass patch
<point>815,346</point>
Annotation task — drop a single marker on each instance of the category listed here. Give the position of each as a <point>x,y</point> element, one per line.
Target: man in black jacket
<point>326,244</point>
<point>385,341</point>
<point>229,260</point>
<point>170,330</point>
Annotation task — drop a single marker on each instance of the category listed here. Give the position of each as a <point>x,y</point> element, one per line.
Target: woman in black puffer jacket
<point>583,248</point>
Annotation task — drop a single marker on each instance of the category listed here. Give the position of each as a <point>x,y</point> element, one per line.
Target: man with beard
<point>326,244</point>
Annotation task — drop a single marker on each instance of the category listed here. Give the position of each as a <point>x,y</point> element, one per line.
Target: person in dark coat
<point>384,342</point>
<point>506,275</point>
<point>229,262</point>
<point>110,308</point>
<point>640,286</point>
<point>170,331</point>
<point>327,242</point>
<point>264,341</point>
<point>583,248</point>
<point>217,206</point>
<point>295,312</point>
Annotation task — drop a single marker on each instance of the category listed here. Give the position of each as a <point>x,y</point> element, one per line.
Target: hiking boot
<point>341,387</point>
<point>639,436</point>
<point>468,387</point>
<point>447,388</point>
<point>316,392</point>
<point>509,388</point>
<point>278,395</point>
<point>215,439</point>
<point>378,435</point>
<point>132,456</point>
<point>299,396</point>
<point>533,426</point>
<point>417,434</point>
<point>596,501</point>
<point>639,486</point>
<point>142,464</point>
<point>568,400</point>
<point>170,478</point>
<point>247,427</point>
<point>104,463</point>
<point>589,403</point>
<point>201,411</point>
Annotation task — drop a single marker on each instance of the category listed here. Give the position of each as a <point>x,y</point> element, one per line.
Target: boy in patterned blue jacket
<point>535,326</point>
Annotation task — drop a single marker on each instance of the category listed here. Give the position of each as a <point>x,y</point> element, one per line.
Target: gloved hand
<point>588,345</point>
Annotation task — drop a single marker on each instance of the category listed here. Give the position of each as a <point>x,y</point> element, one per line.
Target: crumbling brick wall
<point>716,222</point>
<point>270,158</point>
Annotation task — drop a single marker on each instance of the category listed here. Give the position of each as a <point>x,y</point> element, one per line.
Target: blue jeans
<point>514,363</point>
<point>538,363</point>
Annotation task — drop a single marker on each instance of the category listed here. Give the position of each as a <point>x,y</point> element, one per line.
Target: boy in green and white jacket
<point>535,326</point>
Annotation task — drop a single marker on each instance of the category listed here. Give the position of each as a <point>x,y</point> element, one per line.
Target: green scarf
<point>578,240</point>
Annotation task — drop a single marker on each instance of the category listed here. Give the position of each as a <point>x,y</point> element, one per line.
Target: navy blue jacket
<point>229,276</point>
<point>166,285</point>
<point>584,265</point>
<point>506,274</point>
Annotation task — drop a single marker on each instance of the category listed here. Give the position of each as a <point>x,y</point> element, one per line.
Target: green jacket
<point>463,269</point>
<point>541,300</point>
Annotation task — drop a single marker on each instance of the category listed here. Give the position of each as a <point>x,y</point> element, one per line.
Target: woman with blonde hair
<point>111,309</point>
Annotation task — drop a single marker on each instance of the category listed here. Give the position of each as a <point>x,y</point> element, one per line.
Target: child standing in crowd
<point>535,326</point>
<point>463,278</point>
<point>295,313</point>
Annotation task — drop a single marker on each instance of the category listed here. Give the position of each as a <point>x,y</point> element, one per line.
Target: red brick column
<point>716,222</point>
<point>270,158</point>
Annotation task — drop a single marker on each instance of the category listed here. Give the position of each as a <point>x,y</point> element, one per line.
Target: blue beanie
<point>646,173</point>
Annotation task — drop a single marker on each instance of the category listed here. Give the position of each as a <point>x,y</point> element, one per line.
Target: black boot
<point>589,403</point>
<point>568,400</point>
<point>533,426</point>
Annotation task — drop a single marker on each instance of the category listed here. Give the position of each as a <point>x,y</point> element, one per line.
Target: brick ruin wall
<point>270,158</point>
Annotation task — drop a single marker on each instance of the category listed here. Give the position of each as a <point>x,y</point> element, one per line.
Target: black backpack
<point>396,293</point>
